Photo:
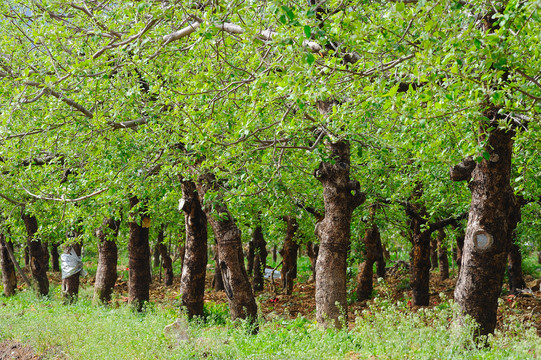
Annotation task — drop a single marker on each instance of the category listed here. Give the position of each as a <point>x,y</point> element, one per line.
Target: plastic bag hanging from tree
<point>71,264</point>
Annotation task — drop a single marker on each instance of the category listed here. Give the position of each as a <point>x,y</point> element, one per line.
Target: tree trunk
<point>250,258</point>
<point>192,282</point>
<point>26,256</point>
<point>341,196</point>
<point>289,255</point>
<point>433,254</point>
<point>45,246</point>
<point>139,256</point>
<point>493,215</point>
<point>9,277</point>
<point>442,256</point>
<point>459,249</point>
<point>372,252</point>
<point>260,258</point>
<point>156,256</point>
<point>70,284</point>
<point>55,257</point>
<point>37,257</point>
<point>312,250</point>
<point>514,267</point>
<point>274,254</point>
<point>217,282</point>
<point>420,268</point>
<point>167,262</point>
<point>106,273</point>
<point>231,259</point>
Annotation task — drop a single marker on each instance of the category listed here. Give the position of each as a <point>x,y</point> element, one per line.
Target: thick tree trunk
<point>250,258</point>
<point>494,213</point>
<point>37,257</point>
<point>514,267</point>
<point>289,255</point>
<point>260,258</point>
<point>106,273</point>
<point>192,282</point>
<point>312,251</point>
<point>167,262</point>
<point>341,196</point>
<point>9,277</point>
<point>420,268</point>
<point>433,254</point>
<point>443,260</point>
<point>372,253</point>
<point>55,257</point>
<point>231,259</point>
<point>70,284</point>
<point>138,256</point>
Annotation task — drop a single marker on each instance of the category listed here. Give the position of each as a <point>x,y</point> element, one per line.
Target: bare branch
<point>128,124</point>
<point>63,199</point>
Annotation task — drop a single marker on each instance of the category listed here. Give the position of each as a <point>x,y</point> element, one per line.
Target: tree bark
<point>106,274</point>
<point>70,284</point>
<point>312,251</point>
<point>433,254</point>
<point>260,258</point>
<point>9,277</point>
<point>167,262</point>
<point>514,267</point>
<point>366,268</point>
<point>494,213</point>
<point>138,256</point>
<point>420,268</point>
<point>55,257</point>
<point>37,257</point>
<point>156,256</point>
<point>250,258</point>
<point>217,282</point>
<point>341,196</point>
<point>289,255</point>
<point>231,259</point>
<point>192,282</point>
<point>443,260</point>
<point>45,246</point>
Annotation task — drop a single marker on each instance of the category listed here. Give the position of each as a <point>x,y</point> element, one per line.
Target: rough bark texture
<point>493,215</point>
<point>37,257</point>
<point>45,246</point>
<point>514,267</point>
<point>70,285</point>
<point>138,256</point>
<point>192,282</point>
<point>341,196</point>
<point>260,258</point>
<point>289,255</point>
<point>372,252</point>
<point>106,273</point>
<point>231,258</point>
<point>55,257</point>
<point>9,277</point>
<point>167,262</point>
<point>443,260</point>
<point>420,268</point>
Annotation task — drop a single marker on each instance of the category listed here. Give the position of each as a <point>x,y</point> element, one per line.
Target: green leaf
<point>307,31</point>
<point>309,58</point>
<point>400,6</point>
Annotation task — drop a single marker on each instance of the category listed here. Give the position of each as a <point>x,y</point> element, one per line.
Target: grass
<point>386,330</point>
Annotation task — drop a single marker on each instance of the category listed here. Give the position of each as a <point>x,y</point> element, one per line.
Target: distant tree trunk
<point>494,213</point>
<point>420,268</point>
<point>106,272</point>
<point>70,284</point>
<point>192,282</point>
<point>231,259</point>
<point>366,268</point>
<point>55,257</point>
<point>250,258</point>
<point>312,251</point>
<point>289,255</point>
<point>45,246</point>
<point>218,281</point>
<point>341,196</point>
<point>433,253</point>
<point>260,258</point>
<point>9,277</point>
<point>138,256</point>
<point>37,257</point>
<point>514,266</point>
<point>156,256</point>
<point>459,248</point>
<point>167,262</point>
<point>442,255</point>
<point>274,254</point>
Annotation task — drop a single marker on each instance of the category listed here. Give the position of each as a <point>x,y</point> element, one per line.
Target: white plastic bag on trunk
<point>71,264</point>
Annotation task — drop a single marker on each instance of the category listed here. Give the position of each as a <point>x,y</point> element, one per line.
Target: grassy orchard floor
<point>383,328</point>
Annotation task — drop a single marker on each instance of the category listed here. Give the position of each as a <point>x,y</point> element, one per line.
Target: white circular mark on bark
<point>482,240</point>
